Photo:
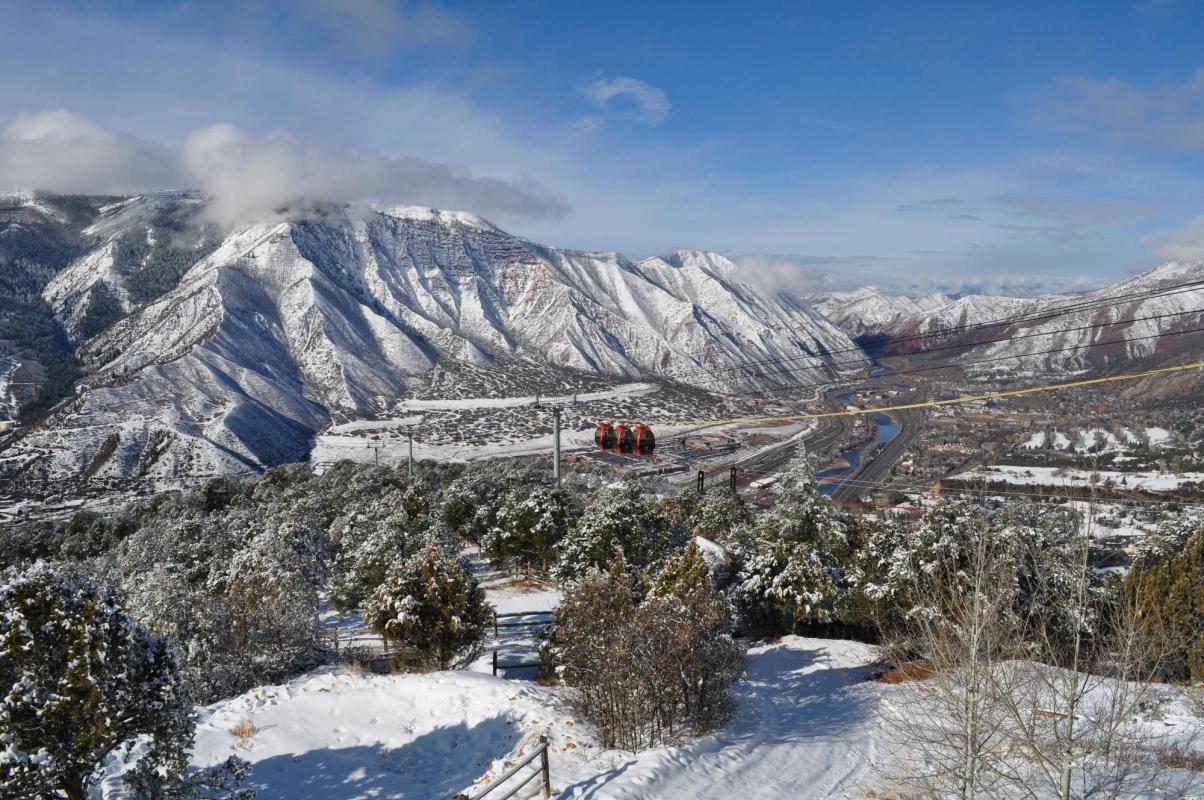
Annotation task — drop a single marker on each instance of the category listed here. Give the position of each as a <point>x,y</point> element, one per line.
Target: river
<point>888,429</point>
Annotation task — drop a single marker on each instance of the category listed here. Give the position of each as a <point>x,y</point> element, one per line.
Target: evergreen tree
<point>528,525</point>
<point>80,678</point>
<point>1166,587</point>
<point>432,607</point>
<point>792,557</point>
<point>618,520</point>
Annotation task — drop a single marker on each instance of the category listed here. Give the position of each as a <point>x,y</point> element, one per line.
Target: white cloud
<point>60,151</point>
<point>247,177</point>
<point>651,103</point>
<point>379,26</point>
<point>1169,115</point>
<point>1182,244</point>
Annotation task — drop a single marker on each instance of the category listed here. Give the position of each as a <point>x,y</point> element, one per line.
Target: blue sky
<point>905,144</point>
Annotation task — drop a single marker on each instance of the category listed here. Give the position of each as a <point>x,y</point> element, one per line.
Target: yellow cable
<point>1053,387</point>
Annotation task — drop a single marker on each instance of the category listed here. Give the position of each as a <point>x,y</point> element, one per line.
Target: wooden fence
<point>508,784</point>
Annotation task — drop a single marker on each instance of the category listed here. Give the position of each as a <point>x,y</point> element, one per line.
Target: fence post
<point>547,773</point>
<point>495,623</point>
<point>701,478</point>
<point>495,663</point>
<point>733,479</point>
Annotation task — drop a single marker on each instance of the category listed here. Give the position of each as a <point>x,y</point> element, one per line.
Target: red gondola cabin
<point>626,439</point>
<point>605,436</point>
<point>645,442</point>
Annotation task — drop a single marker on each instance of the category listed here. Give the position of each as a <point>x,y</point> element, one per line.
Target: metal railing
<point>543,772</point>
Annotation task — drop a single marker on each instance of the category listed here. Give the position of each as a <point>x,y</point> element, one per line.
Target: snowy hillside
<point>205,355</point>
<point>871,310</point>
<point>1133,319</point>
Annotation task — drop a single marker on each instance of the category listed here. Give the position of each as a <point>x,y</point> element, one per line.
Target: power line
<point>963,329</point>
<point>1128,376</point>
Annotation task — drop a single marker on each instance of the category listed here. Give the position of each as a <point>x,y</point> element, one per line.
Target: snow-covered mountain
<point>200,354</point>
<point>871,310</point>
<point>1139,317</point>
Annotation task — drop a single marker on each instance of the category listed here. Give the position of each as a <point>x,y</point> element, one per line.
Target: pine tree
<point>793,556</point>
<point>528,525</point>
<point>432,607</point>
<point>80,678</point>
<point>1166,586</point>
<point>617,520</point>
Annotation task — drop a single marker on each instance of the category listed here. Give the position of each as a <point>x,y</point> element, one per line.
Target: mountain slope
<point>278,329</point>
<point>1137,318</point>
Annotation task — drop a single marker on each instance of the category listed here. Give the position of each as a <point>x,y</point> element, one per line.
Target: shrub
<point>432,607</point>
<point>646,668</point>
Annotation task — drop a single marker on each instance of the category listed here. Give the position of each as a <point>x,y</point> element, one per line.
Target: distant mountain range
<point>1119,323</point>
<point>167,348</point>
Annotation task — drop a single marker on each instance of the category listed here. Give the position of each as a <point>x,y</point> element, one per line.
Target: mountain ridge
<point>278,327</point>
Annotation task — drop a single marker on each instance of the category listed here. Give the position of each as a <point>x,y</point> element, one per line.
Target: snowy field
<point>1098,440</point>
<point>1077,478</point>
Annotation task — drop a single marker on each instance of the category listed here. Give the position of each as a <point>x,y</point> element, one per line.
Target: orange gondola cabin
<point>645,442</point>
<point>626,438</point>
<point>605,436</point>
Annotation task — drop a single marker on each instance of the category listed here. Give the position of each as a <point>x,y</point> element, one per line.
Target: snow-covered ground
<point>624,390</point>
<point>1099,440</point>
<point>1054,476</point>
<point>804,729</point>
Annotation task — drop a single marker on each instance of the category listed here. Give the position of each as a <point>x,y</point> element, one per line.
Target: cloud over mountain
<point>247,177</point>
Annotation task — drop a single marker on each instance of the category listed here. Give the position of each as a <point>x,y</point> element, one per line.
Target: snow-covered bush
<point>713,515</point>
<point>618,520</point>
<point>80,678</point>
<point>645,669</point>
<point>934,556</point>
<point>372,540</point>
<point>528,524</point>
<point>431,608</point>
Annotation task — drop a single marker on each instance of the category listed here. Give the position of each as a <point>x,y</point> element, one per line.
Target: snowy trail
<point>805,729</point>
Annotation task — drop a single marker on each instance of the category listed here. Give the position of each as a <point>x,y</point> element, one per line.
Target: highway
<point>877,469</point>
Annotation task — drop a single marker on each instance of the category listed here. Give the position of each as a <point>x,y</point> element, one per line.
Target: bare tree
<point>949,726</point>
<point>1021,702</point>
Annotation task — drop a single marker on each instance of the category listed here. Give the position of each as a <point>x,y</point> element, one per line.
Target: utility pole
<point>556,445</point>
<point>410,434</point>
